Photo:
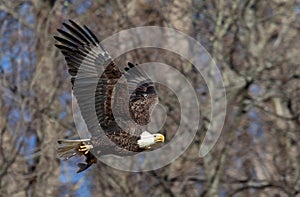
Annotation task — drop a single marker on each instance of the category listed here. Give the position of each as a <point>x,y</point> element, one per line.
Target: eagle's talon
<point>85,148</point>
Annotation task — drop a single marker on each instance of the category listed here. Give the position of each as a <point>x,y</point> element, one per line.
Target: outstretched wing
<point>93,74</point>
<point>95,80</point>
<point>143,96</point>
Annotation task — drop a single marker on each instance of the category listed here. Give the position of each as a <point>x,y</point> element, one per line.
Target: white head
<point>148,139</point>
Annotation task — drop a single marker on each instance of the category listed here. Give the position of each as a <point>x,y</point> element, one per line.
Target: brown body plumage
<point>84,53</point>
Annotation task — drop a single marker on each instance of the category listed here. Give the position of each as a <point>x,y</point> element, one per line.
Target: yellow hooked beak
<point>159,138</point>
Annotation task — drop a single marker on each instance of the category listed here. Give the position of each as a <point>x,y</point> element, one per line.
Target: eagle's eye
<point>145,95</point>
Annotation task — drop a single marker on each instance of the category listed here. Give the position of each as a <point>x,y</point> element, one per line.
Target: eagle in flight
<point>123,135</point>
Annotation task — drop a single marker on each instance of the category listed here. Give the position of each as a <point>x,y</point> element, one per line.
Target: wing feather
<point>143,95</point>
<point>87,60</point>
<point>88,36</point>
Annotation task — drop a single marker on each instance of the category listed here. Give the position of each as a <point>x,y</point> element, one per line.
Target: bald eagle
<point>83,51</point>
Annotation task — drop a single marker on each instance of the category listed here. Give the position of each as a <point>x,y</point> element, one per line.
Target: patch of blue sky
<point>254,89</point>
<point>15,51</point>
<point>69,133</point>
<point>252,114</point>
<point>222,192</point>
<point>199,186</point>
<point>68,175</point>
<point>6,64</point>
<point>65,98</point>
<point>108,9</point>
<point>29,148</point>
<point>7,100</point>
<point>297,8</point>
<point>27,115</point>
<point>26,13</point>
<point>62,115</point>
<point>83,7</point>
<point>19,49</point>
<point>255,129</point>
<point>259,132</point>
<point>2,15</point>
<point>84,191</point>
<point>255,126</point>
<point>29,38</point>
<point>14,117</point>
<point>27,68</point>
<point>12,27</point>
<point>205,59</point>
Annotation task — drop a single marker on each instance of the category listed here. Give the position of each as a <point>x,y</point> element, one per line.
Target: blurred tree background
<point>254,43</point>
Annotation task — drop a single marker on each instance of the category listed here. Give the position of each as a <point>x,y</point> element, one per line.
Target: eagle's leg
<point>85,148</point>
<point>90,158</point>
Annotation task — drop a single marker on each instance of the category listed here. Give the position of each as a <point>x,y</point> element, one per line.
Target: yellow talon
<point>85,148</point>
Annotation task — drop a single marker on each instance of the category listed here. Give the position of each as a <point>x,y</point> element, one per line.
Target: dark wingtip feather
<point>56,37</point>
<point>130,65</point>
<point>71,21</point>
<point>64,24</point>
<point>85,32</point>
<point>70,36</point>
<point>57,45</point>
<point>91,34</point>
<point>65,41</point>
